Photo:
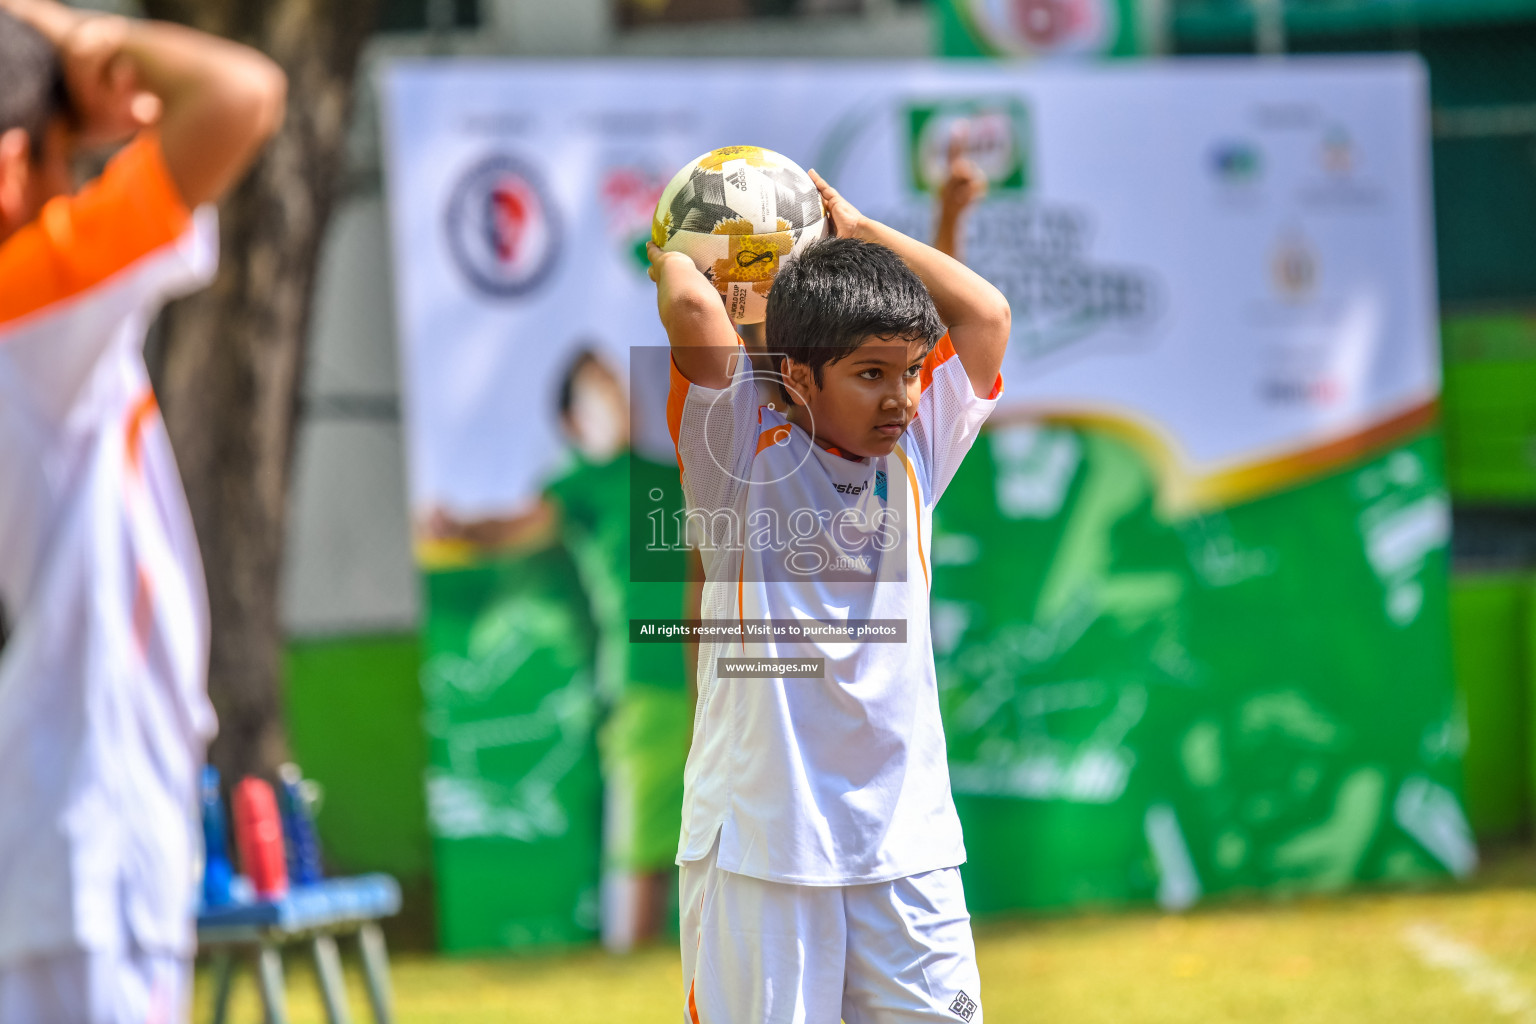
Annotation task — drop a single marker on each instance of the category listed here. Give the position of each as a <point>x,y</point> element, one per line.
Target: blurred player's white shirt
<point>104,716</point>
<point>841,780</point>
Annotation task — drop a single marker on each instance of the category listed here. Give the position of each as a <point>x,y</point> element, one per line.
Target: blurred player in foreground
<point>820,844</point>
<point>104,716</point>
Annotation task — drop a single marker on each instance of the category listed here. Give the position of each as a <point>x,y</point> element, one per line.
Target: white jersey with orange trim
<point>104,715</point>
<point>843,779</point>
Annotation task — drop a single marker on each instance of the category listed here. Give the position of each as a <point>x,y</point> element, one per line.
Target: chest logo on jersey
<point>855,489</point>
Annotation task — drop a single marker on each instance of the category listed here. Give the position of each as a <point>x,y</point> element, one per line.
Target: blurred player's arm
<point>704,343</point>
<point>964,185</point>
<point>976,313</point>
<point>535,528</point>
<point>214,102</point>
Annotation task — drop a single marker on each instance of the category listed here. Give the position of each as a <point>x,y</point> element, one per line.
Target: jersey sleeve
<point>87,276</point>
<point>949,416</point>
<point>714,432</point>
<point>131,218</point>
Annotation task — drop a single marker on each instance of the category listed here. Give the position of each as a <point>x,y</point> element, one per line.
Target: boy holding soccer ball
<point>820,845</point>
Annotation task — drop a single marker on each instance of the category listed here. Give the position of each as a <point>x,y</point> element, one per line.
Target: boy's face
<point>865,399</point>
<point>598,420</point>
<point>29,176</point>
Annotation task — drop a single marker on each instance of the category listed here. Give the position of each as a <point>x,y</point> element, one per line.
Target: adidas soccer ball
<point>739,212</point>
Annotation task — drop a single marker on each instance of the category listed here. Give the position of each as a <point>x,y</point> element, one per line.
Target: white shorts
<point>757,952</point>
<point>96,988</point>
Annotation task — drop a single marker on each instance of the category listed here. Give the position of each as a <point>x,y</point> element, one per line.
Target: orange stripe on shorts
<point>138,415</point>
<point>143,611</point>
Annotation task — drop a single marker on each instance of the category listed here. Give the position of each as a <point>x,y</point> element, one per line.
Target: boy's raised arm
<point>976,313</point>
<point>703,341</point>
<point>217,101</point>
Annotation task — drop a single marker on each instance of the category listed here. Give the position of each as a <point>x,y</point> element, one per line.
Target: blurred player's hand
<point>846,220</point>
<point>964,183</point>
<point>103,84</point>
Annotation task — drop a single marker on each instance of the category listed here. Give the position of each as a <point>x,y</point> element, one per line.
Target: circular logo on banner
<point>1042,27</point>
<point>503,230</point>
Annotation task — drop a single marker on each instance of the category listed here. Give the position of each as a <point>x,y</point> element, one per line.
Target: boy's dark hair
<point>585,356</point>
<point>837,294</point>
<point>32,89</point>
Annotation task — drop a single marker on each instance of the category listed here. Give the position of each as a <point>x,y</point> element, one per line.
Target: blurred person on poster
<point>821,848</point>
<point>644,687</point>
<point>964,186</point>
<point>104,714</point>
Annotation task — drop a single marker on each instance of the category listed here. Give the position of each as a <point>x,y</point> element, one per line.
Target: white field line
<point>1479,975</point>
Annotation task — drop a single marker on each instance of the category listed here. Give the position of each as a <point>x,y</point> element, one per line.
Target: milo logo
<point>994,134</point>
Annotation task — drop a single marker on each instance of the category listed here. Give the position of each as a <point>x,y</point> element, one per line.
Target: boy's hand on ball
<point>659,258</point>
<point>846,220</point>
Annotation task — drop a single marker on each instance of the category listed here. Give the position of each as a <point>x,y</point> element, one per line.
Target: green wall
<point>1490,407</point>
<point>354,725</point>
<point>1491,635</point>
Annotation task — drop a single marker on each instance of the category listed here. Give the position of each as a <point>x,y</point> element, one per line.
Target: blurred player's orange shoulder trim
<point>79,241</point>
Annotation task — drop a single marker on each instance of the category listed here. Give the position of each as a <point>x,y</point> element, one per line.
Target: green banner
<point>540,712</point>
<point>514,797</point>
<point>1140,706</point>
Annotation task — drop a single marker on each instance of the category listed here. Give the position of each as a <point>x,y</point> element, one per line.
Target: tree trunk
<point>229,360</point>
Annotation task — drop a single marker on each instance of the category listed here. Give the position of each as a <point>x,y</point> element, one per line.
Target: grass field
<point>1449,956</point>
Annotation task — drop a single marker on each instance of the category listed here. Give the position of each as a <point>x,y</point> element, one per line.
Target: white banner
<point>1230,262</point>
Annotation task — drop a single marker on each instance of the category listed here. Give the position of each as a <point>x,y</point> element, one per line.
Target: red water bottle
<point>259,832</point>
